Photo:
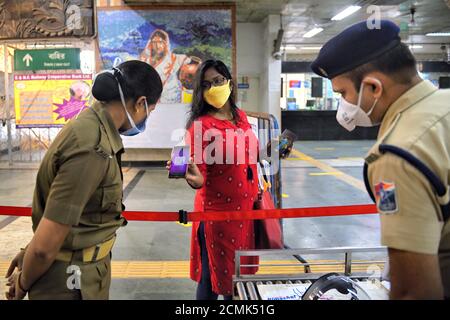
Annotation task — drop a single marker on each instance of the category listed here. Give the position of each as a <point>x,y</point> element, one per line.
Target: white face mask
<point>350,116</point>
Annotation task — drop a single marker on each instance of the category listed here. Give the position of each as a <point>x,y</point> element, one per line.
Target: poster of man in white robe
<point>176,70</point>
<point>175,41</point>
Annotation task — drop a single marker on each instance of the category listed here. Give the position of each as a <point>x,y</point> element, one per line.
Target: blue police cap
<point>355,46</point>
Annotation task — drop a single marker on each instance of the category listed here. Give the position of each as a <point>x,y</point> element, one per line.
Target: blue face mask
<point>135,129</point>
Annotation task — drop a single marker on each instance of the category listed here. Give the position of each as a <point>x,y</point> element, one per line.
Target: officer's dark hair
<point>136,79</point>
<point>199,106</point>
<point>398,63</point>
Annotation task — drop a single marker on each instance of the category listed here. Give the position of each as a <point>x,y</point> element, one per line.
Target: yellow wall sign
<point>49,100</point>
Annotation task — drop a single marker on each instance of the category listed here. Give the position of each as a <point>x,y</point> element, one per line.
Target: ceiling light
<point>438,34</point>
<point>312,33</point>
<point>416,46</point>
<point>345,13</point>
<point>288,48</point>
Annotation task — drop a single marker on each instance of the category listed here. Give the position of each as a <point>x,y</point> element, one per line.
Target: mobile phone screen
<point>180,161</point>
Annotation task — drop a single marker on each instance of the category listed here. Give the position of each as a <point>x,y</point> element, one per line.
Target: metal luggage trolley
<point>367,272</point>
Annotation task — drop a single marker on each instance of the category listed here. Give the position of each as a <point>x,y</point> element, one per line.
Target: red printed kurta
<point>228,187</point>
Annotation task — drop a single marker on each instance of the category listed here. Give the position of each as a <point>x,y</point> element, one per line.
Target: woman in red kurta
<point>230,180</point>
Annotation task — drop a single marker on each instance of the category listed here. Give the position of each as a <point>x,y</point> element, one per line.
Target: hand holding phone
<point>285,144</point>
<point>182,166</point>
<point>179,162</point>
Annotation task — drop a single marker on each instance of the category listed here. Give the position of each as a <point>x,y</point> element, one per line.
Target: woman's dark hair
<point>136,79</point>
<point>199,106</point>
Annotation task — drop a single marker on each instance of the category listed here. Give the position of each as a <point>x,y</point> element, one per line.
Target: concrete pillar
<point>250,51</point>
<point>270,86</point>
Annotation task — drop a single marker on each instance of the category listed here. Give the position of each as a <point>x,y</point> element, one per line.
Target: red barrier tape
<point>227,215</point>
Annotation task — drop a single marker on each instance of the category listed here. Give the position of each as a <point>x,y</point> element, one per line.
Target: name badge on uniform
<point>385,197</point>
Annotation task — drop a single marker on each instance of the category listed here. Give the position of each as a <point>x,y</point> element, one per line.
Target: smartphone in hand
<point>179,162</point>
<point>285,143</point>
<point>287,140</point>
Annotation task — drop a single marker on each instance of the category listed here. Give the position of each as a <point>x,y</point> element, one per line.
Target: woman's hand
<point>16,263</point>
<point>15,291</point>
<point>283,153</point>
<point>287,153</point>
<point>11,293</point>
<point>193,175</point>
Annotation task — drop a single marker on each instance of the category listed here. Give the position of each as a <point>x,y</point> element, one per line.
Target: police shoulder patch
<point>386,197</point>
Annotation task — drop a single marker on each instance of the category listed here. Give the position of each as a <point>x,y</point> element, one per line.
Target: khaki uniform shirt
<point>79,182</point>
<point>411,218</point>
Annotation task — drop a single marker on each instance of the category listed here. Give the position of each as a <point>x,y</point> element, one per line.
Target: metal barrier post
<point>8,102</point>
<point>237,263</point>
<point>241,291</point>
<point>30,144</point>
<point>348,263</point>
<point>277,188</point>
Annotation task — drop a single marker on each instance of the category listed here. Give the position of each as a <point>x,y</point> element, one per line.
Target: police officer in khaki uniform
<point>77,202</point>
<point>407,171</point>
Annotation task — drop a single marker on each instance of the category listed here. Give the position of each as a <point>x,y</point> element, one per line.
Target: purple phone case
<point>180,160</point>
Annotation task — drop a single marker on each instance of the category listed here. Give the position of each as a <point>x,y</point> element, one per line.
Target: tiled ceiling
<point>300,16</point>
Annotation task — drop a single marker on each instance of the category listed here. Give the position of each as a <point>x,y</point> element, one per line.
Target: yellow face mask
<point>218,96</point>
